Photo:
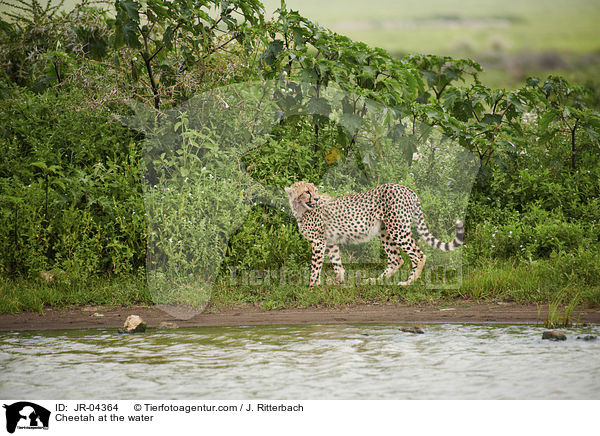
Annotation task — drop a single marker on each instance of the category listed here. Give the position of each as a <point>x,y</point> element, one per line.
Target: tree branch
<point>156,52</point>
<point>220,47</point>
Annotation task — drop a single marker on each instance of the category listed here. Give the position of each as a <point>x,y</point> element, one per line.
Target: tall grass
<point>540,282</point>
<point>33,295</point>
<point>556,317</point>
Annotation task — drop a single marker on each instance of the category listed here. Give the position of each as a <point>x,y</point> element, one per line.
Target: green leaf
<point>463,110</point>
<point>129,34</point>
<point>593,135</point>
<point>546,119</point>
<point>451,74</point>
<point>168,38</point>
<point>131,7</point>
<point>408,146</point>
<point>319,106</point>
<point>547,88</point>
<point>307,75</point>
<point>299,38</point>
<point>343,138</point>
<point>270,55</point>
<point>515,102</point>
<point>5,26</point>
<point>347,105</point>
<point>39,164</point>
<point>351,122</point>
<point>451,96</point>
<point>431,77</point>
<point>491,119</point>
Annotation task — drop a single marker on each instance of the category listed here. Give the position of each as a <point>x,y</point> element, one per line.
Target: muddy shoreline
<point>462,312</point>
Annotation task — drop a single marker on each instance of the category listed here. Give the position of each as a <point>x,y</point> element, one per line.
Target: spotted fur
<point>386,211</point>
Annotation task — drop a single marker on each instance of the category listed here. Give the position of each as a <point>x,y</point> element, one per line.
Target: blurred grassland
<point>453,27</point>
<point>512,39</point>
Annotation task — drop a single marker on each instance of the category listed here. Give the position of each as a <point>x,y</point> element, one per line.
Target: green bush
<point>70,183</point>
<point>533,234</point>
<point>268,239</point>
<point>70,174</point>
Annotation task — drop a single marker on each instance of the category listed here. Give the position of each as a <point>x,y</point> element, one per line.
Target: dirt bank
<point>112,317</point>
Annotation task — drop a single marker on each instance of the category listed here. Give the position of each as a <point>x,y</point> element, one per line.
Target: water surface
<point>449,361</point>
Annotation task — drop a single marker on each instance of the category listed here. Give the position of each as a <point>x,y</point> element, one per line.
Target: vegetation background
<point>73,224</point>
<point>512,40</point>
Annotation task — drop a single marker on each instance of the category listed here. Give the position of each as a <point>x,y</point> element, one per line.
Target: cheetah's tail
<point>431,240</point>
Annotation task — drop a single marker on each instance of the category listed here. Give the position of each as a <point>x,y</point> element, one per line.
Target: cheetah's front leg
<point>318,254</point>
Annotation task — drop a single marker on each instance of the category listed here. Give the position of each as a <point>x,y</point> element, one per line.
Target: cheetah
<point>386,211</point>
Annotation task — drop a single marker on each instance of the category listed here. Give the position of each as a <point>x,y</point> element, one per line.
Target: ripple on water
<point>311,362</point>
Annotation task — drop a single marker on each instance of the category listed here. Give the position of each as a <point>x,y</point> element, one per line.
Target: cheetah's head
<point>303,196</point>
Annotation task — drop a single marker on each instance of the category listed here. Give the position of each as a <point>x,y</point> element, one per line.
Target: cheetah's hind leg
<point>394,259</point>
<point>417,259</point>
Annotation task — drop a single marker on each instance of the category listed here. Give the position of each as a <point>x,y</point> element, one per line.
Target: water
<point>450,361</point>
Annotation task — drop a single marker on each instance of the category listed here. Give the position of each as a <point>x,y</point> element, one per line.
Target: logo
<point>26,415</point>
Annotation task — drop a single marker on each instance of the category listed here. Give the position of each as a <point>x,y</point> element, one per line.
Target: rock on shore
<point>133,324</point>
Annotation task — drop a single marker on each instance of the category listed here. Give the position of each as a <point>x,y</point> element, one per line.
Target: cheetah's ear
<point>288,190</point>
